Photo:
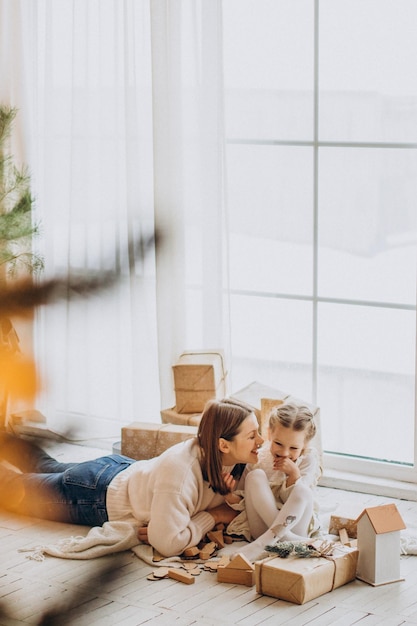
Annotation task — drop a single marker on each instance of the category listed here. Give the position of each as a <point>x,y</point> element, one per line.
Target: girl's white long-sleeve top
<point>308,464</point>
<point>169,495</point>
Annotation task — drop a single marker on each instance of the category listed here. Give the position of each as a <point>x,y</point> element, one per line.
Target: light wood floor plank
<point>28,588</point>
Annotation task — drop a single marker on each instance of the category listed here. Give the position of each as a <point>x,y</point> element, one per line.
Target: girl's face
<point>286,442</point>
<point>244,447</point>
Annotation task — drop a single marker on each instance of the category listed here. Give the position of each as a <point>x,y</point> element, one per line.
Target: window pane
<point>265,349</point>
<point>368,224</point>
<point>358,204</point>
<point>366,358</point>
<point>268,68</point>
<point>271,218</point>
<point>368,81</point>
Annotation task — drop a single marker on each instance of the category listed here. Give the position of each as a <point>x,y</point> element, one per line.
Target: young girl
<point>283,480</point>
<point>170,501</point>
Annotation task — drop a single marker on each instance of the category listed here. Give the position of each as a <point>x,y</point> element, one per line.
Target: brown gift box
<point>143,440</point>
<point>299,580</point>
<point>172,416</point>
<point>199,376</point>
<point>338,522</point>
<point>195,401</point>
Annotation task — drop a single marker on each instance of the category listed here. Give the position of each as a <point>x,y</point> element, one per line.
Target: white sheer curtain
<point>122,103</point>
<point>187,75</point>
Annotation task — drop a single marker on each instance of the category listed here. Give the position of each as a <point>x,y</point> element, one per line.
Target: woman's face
<point>244,447</point>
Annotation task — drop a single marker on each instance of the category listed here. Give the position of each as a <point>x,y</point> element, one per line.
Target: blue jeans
<point>63,492</point>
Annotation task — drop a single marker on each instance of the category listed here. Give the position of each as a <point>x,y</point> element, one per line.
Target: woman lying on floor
<point>170,502</point>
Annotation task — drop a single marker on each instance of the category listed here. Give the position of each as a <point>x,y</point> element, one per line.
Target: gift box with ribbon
<point>299,580</point>
<point>199,376</point>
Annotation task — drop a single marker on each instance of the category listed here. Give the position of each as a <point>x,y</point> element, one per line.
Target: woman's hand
<point>222,514</point>
<point>231,483</point>
<point>143,535</point>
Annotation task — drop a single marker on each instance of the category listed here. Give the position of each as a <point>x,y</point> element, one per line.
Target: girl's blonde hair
<point>294,416</point>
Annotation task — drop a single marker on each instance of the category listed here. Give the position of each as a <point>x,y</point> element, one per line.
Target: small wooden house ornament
<point>238,570</point>
<point>378,536</point>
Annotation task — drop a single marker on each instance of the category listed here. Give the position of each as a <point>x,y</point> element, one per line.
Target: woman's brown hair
<point>220,419</point>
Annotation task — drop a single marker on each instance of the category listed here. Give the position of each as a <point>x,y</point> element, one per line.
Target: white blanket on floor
<point>408,541</point>
<point>100,541</point>
<point>115,537</point>
<point>103,540</point>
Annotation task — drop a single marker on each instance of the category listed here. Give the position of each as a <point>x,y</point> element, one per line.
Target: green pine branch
<point>284,549</point>
<point>14,182</point>
<point>17,228</point>
<point>7,115</point>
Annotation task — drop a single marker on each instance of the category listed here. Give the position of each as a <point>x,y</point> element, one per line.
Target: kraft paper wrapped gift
<point>145,440</point>
<point>338,522</point>
<point>199,376</point>
<point>172,416</point>
<point>299,580</point>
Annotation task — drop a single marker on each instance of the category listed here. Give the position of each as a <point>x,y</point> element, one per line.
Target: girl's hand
<point>284,464</point>
<point>143,535</point>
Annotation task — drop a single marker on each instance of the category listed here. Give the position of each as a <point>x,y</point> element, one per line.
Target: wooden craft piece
<point>211,566</point>
<point>195,572</point>
<point>156,556</point>
<point>208,549</point>
<point>191,552</point>
<point>239,561</point>
<point>181,576</point>
<point>161,572</point>
<point>238,571</point>
<point>216,536</point>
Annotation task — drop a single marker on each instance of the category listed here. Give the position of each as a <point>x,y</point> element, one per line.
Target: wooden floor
<point>115,590</point>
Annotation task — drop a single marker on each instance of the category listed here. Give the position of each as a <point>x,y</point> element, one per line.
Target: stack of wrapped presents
<point>199,376</point>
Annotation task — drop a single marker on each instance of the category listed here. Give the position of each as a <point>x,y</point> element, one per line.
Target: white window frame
<point>348,472</point>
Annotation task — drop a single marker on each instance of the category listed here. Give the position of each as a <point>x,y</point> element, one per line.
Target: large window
<point>321,126</point>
